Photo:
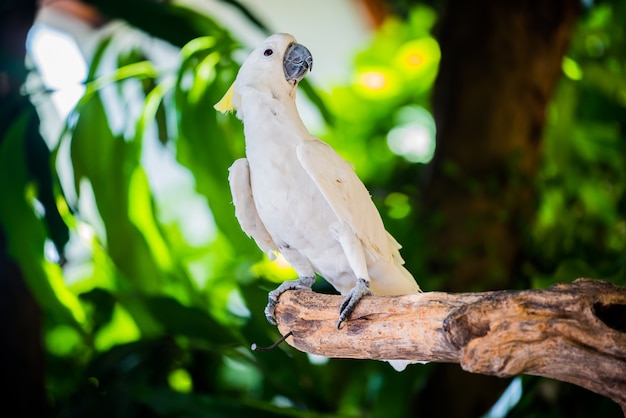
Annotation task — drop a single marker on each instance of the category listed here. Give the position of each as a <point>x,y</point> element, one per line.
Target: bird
<point>296,196</point>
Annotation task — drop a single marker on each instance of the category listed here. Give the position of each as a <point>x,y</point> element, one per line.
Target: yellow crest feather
<point>226,104</point>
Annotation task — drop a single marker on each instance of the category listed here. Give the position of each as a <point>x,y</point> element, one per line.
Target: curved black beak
<point>297,61</point>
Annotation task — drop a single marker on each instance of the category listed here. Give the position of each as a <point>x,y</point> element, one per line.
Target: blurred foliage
<point>144,318</point>
<point>581,222</point>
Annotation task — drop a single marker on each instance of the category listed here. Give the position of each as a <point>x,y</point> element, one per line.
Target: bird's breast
<point>288,202</point>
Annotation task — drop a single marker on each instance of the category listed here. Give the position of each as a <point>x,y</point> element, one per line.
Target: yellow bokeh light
<point>374,80</point>
<point>281,262</point>
<point>277,270</point>
<point>414,59</point>
<point>417,57</point>
<point>377,83</point>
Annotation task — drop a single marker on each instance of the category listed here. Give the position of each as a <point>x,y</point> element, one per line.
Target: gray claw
<point>355,294</point>
<point>269,311</point>
<point>303,283</point>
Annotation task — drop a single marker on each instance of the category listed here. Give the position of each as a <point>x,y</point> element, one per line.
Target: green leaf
<point>103,303</point>
<point>203,148</point>
<point>26,234</point>
<point>108,162</point>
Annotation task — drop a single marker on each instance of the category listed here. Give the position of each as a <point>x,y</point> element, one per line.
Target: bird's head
<point>277,65</point>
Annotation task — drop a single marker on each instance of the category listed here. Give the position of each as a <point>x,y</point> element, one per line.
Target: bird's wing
<point>245,210</point>
<point>346,195</point>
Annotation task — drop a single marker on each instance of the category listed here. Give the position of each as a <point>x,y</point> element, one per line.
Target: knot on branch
<point>613,315</point>
<point>463,326</point>
<point>500,333</point>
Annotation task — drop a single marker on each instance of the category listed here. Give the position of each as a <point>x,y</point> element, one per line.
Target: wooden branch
<point>570,332</point>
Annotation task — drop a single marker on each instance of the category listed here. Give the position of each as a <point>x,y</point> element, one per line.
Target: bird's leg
<point>303,283</point>
<point>355,294</point>
<point>353,249</point>
<point>306,275</point>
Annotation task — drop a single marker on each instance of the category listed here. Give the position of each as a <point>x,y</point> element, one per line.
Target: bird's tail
<point>390,277</point>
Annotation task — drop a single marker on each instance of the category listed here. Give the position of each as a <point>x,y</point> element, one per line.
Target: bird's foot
<point>355,294</point>
<point>303,283</point>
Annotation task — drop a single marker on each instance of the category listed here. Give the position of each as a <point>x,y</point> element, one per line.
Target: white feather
<point>245,211</point>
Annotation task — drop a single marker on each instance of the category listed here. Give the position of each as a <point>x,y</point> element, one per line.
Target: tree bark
<point>570,332</point>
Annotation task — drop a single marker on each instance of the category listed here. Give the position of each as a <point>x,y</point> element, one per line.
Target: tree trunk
<point>500,63</point>
<point>22,361</point>
<point>22,357</point>
<point>571,332</point>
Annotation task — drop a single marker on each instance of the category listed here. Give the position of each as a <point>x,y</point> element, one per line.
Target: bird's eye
<point>268,52</point>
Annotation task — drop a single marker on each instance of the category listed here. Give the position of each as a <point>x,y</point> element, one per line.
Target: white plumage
<point>294,194</point>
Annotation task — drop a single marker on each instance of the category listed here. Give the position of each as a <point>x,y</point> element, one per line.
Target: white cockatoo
<point>293,194</point>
